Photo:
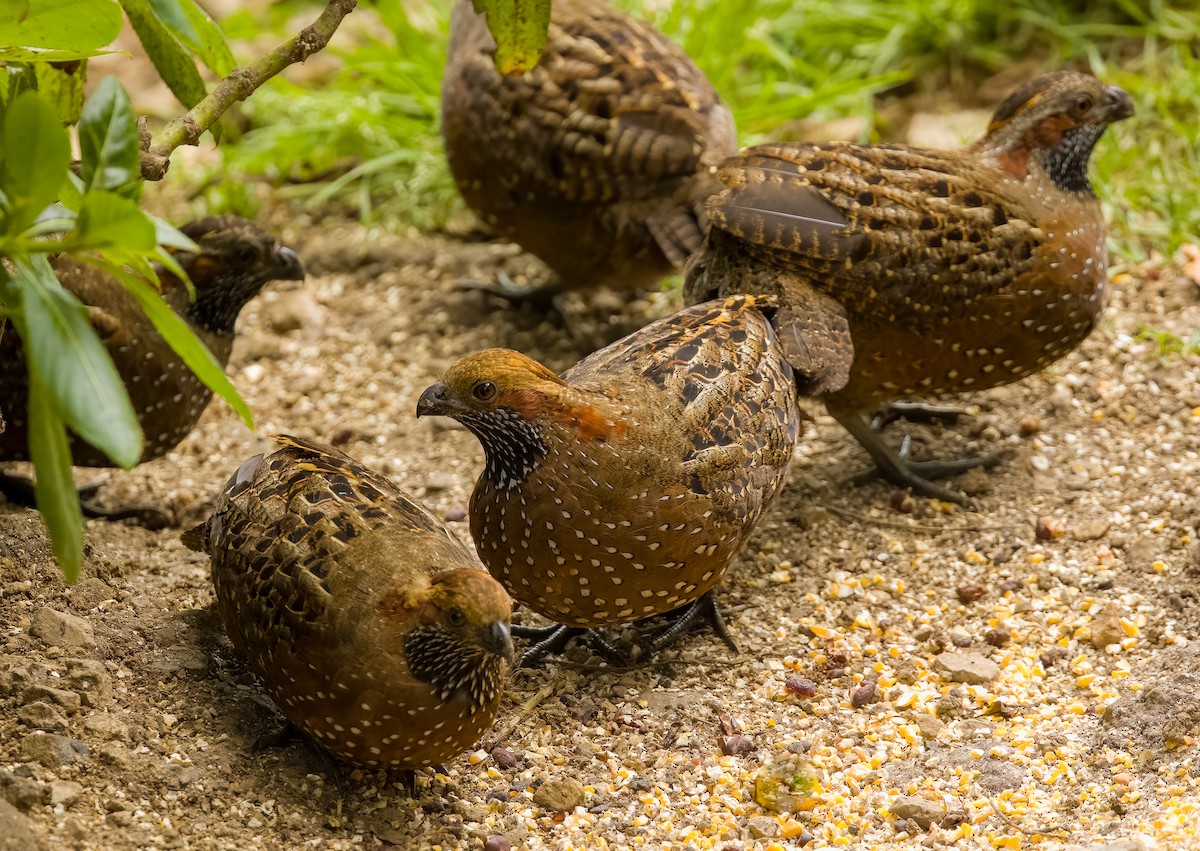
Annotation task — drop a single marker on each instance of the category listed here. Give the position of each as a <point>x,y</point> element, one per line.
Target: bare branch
<point>239,85</point>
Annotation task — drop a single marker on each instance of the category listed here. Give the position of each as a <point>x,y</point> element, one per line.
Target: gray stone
<point>65,792</point>
<point>17,832</point>
<point>52,750</point>
<point>42,716</point>
<point>921,810</point>
<point>60,629</point>
<point>929,725</point>
<point>764,827</point>
<point>68,701</point>
<point>561,794</point>
<point>968,668</point>
<point>22,792</point>
<point>293,310</point>
<point>106,726</point>
<point>90,592</point>
<point>90,678</point>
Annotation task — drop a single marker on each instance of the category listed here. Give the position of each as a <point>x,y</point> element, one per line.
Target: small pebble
<point>969,593</point>
<point>736,744</point>
<point>497,842</point>
<point>996,637</point>
<point>864,694</point>
<point>1050,528</point>
<point>504,758</point>
<point>799,687</point>
<point>902,501</point>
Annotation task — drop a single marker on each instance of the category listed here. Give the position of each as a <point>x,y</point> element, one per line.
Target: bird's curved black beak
<point>288,265</point>
<point>437,401</point>
<point>496,638</point>
<point>1118,105</point>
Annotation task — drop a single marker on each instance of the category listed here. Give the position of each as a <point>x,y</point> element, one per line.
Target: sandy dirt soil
<point>1024,674</point>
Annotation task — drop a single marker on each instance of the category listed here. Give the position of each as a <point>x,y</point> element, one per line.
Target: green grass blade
<point>57,499</point>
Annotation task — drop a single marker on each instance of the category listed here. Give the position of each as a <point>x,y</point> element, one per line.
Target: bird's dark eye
<point>1083,103</point>
<point>484,391</point>
<point>456,616</point>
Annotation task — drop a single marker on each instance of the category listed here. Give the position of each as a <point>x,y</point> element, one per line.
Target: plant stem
<point>239,85</point>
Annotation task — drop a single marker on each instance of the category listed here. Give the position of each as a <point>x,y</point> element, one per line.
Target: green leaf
<point>37,156</point>
<point>106,219</point>
<point>520,29</point>
<point>69,360</point>
<point>80,26</point>
<point>35,55</point>
<point>167,52</point>
<point>187,345</point>
<point>15,79</point>
<point>197,31</point>
<point>61,85</point>
<point>57,499</point>
<point>108,138</point>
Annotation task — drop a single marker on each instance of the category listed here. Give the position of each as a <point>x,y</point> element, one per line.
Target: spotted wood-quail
<point>934,272</point>
<point>371,626</point>
<point>588,160</point>
<point>625,488</point>
<point>236,258</point>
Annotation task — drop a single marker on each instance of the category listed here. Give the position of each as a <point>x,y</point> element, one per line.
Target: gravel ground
<point>1022,674</point>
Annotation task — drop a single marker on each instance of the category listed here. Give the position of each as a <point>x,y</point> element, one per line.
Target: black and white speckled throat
<point>512,446</point>
<point>453,668</point>
<point>1067,162</point>
<point>219,302</point>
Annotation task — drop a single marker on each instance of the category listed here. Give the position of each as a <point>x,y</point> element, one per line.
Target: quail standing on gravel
<point>371,626</point>
<point>587,161</point>
<point>931,272</point>
<point>625,488</point>
<point>234,260</point>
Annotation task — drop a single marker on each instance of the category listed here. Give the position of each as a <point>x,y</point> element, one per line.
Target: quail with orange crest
<point>625,488</point>
<point>373,629</point>
<point>588,160</point>
<point>234,260</point>
<point>930,272</point>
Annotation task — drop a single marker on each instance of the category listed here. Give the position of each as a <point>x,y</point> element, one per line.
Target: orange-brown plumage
<point>629,485</point>
<point>588,160</point>
<point>370,625</point>
<point>933,272</point>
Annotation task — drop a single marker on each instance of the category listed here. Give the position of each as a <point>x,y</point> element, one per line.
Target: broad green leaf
<point>210,45</point>
<point>37,156</point>
<point>75,25</point>
<point>108,138</point>
<point>520,29</point>
<point>61,85</point>
<point>192,26</point>
<point>187,345</point>
<point>167,52</point>
<point>170,236</point>
<point>15,79</point>
<point>57,499</point>
<point>70,194</point>
<point>72,365</point>
<point>36,55</point>
<point>106,219</point>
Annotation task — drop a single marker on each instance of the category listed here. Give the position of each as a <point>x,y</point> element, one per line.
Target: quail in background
<point>625,488</point>
<point>930,272</point>
<point>236,258</point>
<point>370,625</point>
<point>589,160</point>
